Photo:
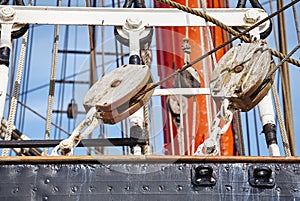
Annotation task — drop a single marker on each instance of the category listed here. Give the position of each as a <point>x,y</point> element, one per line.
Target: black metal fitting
<point>4,55</point>
<point>72,110</point>
<point>261,176</point>
<point>270,133</point>
<point>135,3</point>
<point>135,59</point>
<point>204,176</point>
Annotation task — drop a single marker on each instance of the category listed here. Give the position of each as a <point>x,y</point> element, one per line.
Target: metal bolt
<point>7,13</point>
<point>115,83</point>
<point>252,16</point>
<point>179,188</point>
<point>65,143</point>
<point>133,23</point>
<point>238,68</point>
<point>212,180</point>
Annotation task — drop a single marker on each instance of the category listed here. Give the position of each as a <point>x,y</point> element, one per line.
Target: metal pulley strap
<point>120,93</point>
<point>145,34</point>
<point>221,123</point>
<point>252,16</point>
<point>240,73</point>
<point>8,13</point>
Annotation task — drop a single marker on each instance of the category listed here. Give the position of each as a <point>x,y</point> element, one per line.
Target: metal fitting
<point>133,23</point>
<point>7,13</point>
<point>252,16</point>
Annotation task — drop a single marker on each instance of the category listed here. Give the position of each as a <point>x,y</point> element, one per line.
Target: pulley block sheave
<point>240,75</point>
<point>120,93</point>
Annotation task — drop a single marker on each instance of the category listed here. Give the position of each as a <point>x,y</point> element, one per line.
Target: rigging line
<point>61,90</point>
<point>122,63</point>
<point>74,69</point>
<point>61,93</point>
<point>67,77</point>
<point>231,30</point>
<point>14,98</point>
<point>285,76</point>
<point>91,29</point>
<point>256,131</point>
<point>274,27</point>
<point>118,65</point>
<point>93,68</point>
<point>268,77</point>
<point>296,23</point>
<point>194,123</point>
<point>14,48</point>
<point>25,84</point>
<point>39,115</point>
<point>52,82</point>
<point>208,72</point>
<point>248,135</point>
<point>153,126</point>
<point>184,67</point>
<point>284,136</point>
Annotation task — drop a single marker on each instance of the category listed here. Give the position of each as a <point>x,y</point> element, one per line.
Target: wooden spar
<point>170,56</point>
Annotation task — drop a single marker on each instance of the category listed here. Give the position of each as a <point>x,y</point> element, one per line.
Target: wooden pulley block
<point>240,75</point>
<point>120,93</point>
<point>177,101</point>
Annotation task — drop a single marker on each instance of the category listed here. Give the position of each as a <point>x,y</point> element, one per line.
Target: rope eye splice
<point>90,123</point>
<point>253,16</point>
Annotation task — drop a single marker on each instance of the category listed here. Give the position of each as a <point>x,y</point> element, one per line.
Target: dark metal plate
<point>139,179</point>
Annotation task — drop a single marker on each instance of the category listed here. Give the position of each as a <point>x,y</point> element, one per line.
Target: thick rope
<point>52,84</point>
<point>231,30</point>
<point>283,133</point>
<point>147,59</point>
<point>14,98</point>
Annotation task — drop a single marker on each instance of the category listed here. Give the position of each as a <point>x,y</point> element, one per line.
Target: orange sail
<point>170,57</point>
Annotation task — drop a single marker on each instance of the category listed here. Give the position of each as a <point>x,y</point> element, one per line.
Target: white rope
<point>207,70</point>
<point>67,146</point>
<point>154,136</point>
<point>147,59</point>
<point>52,83</point>
<point>194,123</point>
<point>282,128</point>
<point>14,98</point>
